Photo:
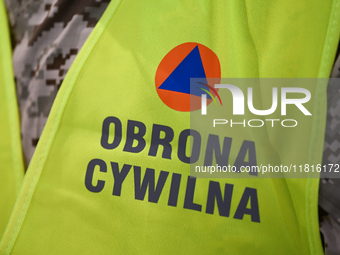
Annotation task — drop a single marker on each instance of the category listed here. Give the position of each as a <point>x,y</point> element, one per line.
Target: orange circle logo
<point>185,61</point>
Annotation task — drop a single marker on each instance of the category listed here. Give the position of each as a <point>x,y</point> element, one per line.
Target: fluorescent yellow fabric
<point>112,79</point>
<point>11,164</point>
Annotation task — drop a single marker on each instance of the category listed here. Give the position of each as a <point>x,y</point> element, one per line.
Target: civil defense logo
<point>193,60</point>
<point>188,60</point>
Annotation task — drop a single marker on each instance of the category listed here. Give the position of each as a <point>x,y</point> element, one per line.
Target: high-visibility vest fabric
<point>94,188</point>
<point>11,161</point>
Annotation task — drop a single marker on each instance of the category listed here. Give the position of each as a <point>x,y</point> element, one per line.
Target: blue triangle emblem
<point>179,79</point>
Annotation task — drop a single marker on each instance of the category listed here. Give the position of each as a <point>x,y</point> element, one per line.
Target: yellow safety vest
<point>11,160</point>
<point>111,175</point>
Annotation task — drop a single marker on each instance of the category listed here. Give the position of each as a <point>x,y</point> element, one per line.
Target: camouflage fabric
<point>329,191</point>
<point>46,36</point>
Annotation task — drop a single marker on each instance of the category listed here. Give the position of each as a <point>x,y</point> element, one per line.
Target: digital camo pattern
<point>46,37</point>
<point>329,190</point>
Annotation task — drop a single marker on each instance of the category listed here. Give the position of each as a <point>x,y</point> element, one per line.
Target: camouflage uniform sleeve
<point>329,190</point>
<point>46,36</point>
